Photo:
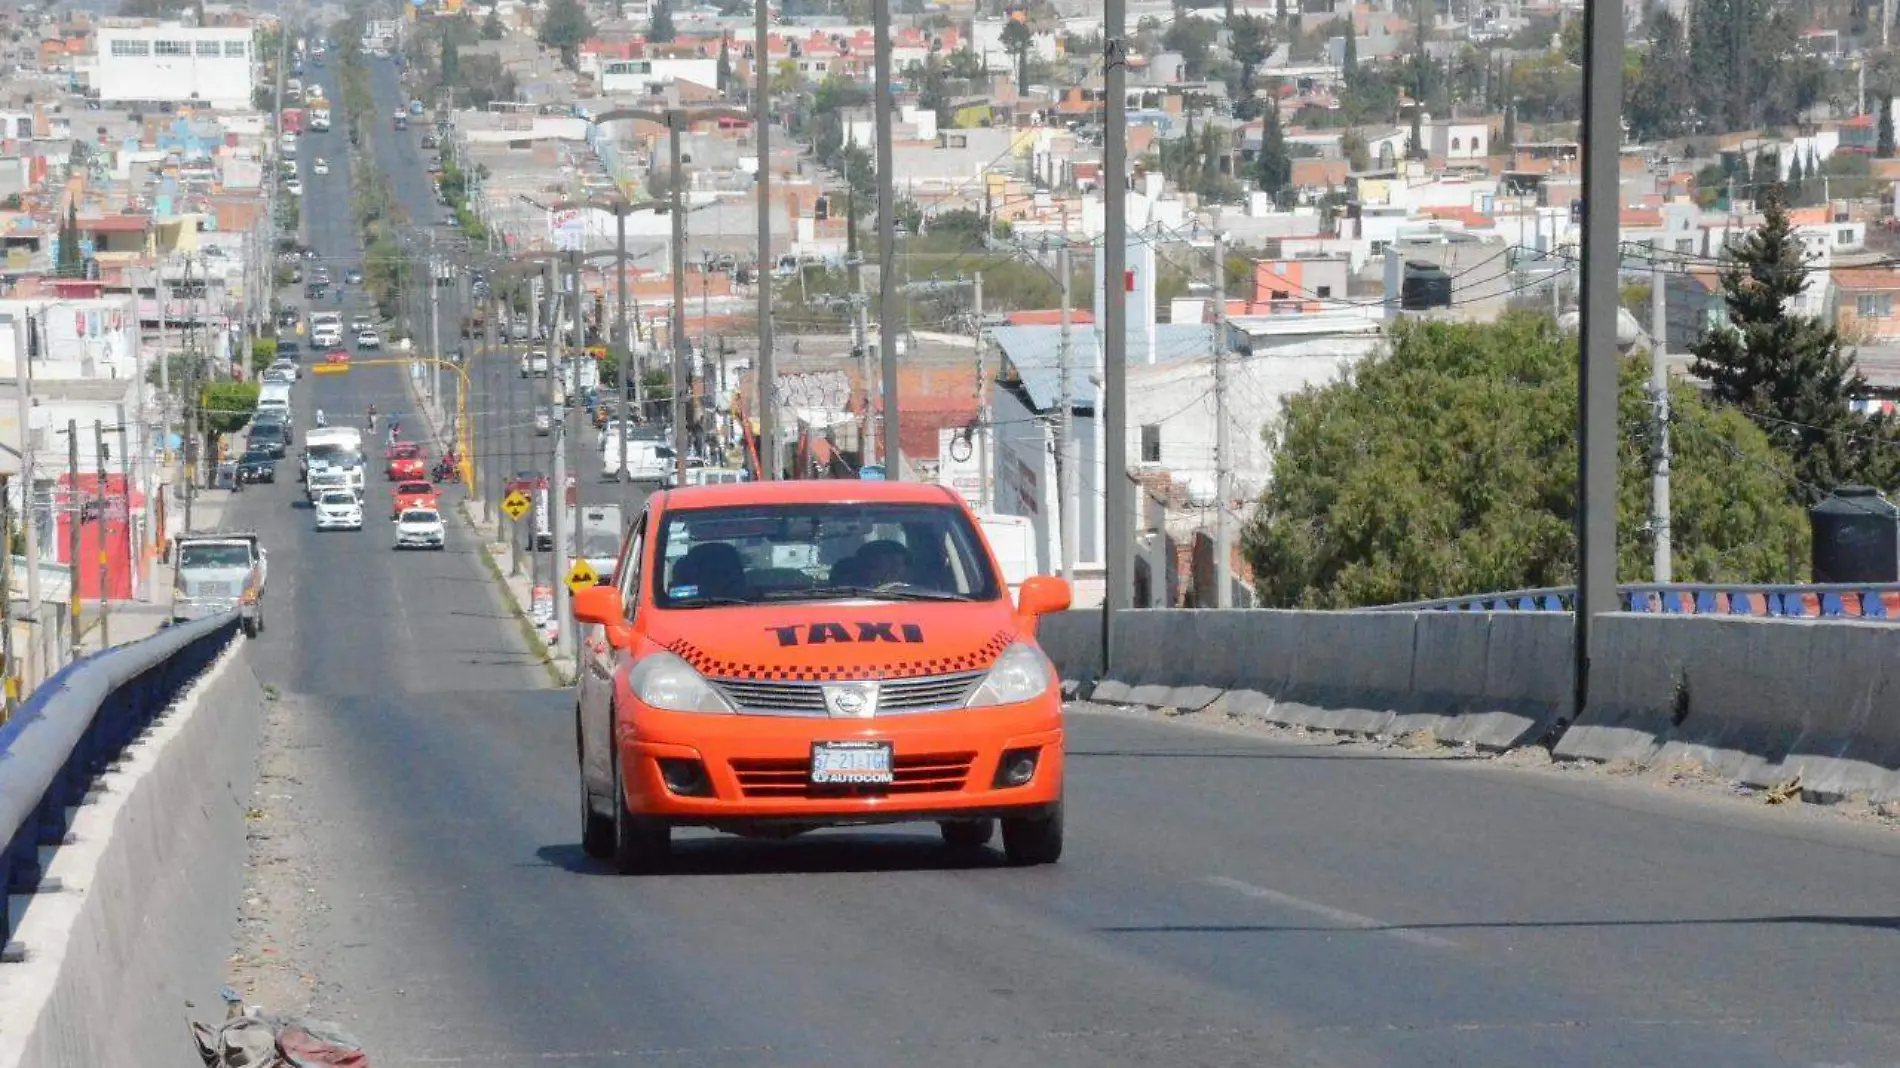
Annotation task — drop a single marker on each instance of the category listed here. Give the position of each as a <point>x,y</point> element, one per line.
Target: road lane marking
<point>1340,917</point>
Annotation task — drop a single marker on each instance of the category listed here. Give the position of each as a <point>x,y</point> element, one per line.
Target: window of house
<point>1456,144</point>
<point>1685,244</point>
<point>1279,294</point>
<point>1844,237</point>
<point>128,49</point>
<point>1323,291</point>
<point>171,48</point>
<point>1378,248</point>
<point>1151,444</point>
<point>235,49</point>
<point>1477,145</point>
<point>208,48</point>
<point>1874,305</point>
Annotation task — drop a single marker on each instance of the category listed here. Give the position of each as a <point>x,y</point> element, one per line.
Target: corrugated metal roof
<point>1034,353</point>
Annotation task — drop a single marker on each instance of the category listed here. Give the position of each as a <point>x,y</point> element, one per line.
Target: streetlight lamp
<point>619,209</point>
<point>675,119</point>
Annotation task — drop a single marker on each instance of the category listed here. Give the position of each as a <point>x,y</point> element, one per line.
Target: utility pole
<point>1223,435</point>
<point>435,330</point>
<point>889,320</point>
<point>513,416</point>
<point>762,124</point>
<point>1659,505</point>
<point>125,494</point>
<point>1066,480</point>
<point>1596,351</point>
<point>1112,406</point>
<point>623,360</point>
<point>29,513</point>
<point>72,531</point>
<point>677,331</point>
<point>860,332</point>
<point>557,523</point>
<point>986,475</point>
<point>99,534</point>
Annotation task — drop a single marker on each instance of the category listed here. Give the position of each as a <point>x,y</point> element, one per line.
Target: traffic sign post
<point>581,576</point>
<point>516,505</point>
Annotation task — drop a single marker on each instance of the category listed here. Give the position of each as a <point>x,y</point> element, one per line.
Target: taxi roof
<point>806,491</point>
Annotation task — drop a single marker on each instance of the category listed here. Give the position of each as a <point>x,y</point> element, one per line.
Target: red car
<point>339,356</point>
<point>413,494</point>
<point>405,459</point>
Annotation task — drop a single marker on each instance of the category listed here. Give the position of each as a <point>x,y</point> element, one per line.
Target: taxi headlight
<point>1021,674</point>
<point>664,681</point>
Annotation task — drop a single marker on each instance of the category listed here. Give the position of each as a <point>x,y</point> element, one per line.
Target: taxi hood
<point>814,642</point>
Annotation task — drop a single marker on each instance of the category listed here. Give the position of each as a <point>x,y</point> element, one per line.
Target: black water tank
<point>1426,285</point>
<point>1856,537</point>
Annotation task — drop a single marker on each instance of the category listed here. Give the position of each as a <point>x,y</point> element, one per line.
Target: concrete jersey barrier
<point>1790,703</point>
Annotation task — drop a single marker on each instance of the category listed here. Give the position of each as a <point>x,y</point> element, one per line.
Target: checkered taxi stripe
<point>978,658</point>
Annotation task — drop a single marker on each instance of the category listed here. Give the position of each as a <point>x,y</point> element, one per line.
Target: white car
<point>368,339</point>
<point>362,323</point>
<point>339,510</point>
<point>321,166</point>
<point>289,368</point>
<point>420,528</point>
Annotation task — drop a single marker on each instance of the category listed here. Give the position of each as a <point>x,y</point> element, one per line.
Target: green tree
<point>1020,44</point>
<point>565,27</point>
<point>1448,465</point>
<point>1350,67</point>
<point>492,29</point>
<point>1786,370</point>
<point>451,60</point>
<point>1662,96</point>
<point>1883,133</point>
<point>1249,39</point>
<point>1194,38</point>
<point>1275,168</point>
<point>263,353</point>
<point>224,408</point>
<point>72,258</point>
<point>724,74</point>
<point>661,30</point>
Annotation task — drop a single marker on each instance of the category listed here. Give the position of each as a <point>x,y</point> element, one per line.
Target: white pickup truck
<point>217,572</point>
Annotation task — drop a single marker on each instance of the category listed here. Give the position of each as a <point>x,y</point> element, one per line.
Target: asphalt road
<point>1225,900</point>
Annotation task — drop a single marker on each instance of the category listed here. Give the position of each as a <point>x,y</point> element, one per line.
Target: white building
<point>214,66</point>
<point>650,77</point>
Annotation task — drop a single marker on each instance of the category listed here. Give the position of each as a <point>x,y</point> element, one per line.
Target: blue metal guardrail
<point>1832,601</point>
<point>76,726</point>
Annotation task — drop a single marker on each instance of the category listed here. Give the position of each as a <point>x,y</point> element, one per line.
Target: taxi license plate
<point>851,763</point>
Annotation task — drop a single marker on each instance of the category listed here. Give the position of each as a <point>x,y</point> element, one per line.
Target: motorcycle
<point>446,470</point>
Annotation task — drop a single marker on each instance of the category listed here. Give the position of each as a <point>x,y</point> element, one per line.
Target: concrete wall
<point>1790,703</point>
<point>150,881</point>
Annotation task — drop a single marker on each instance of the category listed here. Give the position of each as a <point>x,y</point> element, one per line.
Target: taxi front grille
<point>929,693</point>
<point>790,777</point>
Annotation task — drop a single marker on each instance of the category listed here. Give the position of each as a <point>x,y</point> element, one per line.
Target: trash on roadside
<point>249,1039</point>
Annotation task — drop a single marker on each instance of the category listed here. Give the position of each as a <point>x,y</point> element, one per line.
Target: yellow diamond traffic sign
<point>516,504</point>
<point>581,576</point>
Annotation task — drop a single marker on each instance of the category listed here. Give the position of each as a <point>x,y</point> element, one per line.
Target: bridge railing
<point>75,727</point>
<point>1875,601</point>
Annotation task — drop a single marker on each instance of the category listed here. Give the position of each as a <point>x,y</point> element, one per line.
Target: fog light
<point>686,778</point>
<point>1017,767</point>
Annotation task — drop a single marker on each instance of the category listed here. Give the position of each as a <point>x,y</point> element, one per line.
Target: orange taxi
<point>776,657</point>
<point>415,493</point>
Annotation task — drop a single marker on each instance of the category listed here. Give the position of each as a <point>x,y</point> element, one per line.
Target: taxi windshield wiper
<point>706,602</point>
<point>897,591</point>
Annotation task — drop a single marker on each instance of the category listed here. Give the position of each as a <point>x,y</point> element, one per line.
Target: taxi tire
<point>597,831</point>
<point>1029,840</point>
<point>967,834</point>
<point>640,844</point>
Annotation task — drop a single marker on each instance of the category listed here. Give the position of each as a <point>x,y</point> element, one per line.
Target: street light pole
<point>623,359</point>
<point>762,126</point>
<point>887,312</point>
<point>678,329</point>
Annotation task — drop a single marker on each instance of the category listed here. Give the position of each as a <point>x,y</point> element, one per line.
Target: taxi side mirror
<point>1041,595</point>
<point>599,604</point>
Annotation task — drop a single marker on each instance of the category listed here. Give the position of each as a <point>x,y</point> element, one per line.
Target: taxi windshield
<point>780,553</point>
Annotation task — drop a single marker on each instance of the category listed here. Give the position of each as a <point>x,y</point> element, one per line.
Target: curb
<point>561,670</point>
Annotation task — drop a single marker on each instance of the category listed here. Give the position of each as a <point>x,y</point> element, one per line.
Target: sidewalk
<point>540,630</point>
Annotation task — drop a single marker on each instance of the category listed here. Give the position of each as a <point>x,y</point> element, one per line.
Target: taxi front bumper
<point>743,772</point>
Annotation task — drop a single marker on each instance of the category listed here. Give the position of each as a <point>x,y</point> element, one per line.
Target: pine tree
<point>1350,67</point>
<point>1788,371</point>
<point>1797,181</point>
<point>1883,135</point>
<point>661,30</point>
<point>72,259</point>
<point>1276,162</point>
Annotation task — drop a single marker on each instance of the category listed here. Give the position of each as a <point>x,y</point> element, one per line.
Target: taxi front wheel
<point>1031,840</point>
<point>641,844</point>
